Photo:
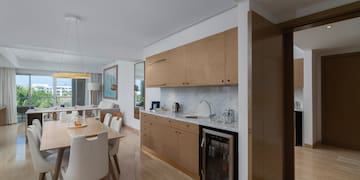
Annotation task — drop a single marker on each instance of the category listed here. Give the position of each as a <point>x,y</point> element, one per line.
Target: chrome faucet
<point>207,102</point>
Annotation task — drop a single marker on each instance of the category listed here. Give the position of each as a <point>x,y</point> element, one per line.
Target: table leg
<point>111,169</point>
<point>58,163</point>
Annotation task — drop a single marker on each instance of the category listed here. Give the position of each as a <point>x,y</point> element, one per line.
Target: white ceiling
<point>111,29</point>
<point>342,35</point>
<point>117,29</point>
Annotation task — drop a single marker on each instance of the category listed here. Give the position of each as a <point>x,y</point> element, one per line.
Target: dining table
<point>57,135</point>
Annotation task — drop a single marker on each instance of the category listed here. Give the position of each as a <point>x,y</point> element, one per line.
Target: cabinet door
<point>206,61</point>
<point>171,144</point>
<point>231,56</point>
<point>158,138</point>
<point>177,66</point>
<point>156,71</point>
<point>189,151</point>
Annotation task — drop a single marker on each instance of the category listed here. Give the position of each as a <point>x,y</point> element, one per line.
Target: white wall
<point>126,92</point>
<point>308,97</point>
<point>244,84</point>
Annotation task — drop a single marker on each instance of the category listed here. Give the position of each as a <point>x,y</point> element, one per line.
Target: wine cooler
<point>218,155</point>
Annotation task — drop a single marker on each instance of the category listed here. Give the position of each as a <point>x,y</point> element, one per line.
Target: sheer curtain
<point>97,95</point>
<point>8,93</point>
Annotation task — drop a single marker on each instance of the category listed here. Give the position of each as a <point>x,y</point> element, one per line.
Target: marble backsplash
<point>221,98</point>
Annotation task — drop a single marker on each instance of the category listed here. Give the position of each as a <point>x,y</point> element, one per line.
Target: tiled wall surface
<point>221,97</point>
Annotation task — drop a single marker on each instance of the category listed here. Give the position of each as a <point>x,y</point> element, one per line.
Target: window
<point>41,91</point>
<point>64,91</point>
<point>34,91</point>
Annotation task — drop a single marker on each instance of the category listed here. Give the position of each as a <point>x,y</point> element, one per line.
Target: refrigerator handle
<point>202,142</point>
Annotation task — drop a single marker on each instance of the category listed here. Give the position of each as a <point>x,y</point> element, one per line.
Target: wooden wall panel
<point>267,100</point>
<point>341,100</point>
<point>299,73</point>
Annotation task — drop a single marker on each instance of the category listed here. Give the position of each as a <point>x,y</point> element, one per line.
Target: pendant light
<point>74,21</point>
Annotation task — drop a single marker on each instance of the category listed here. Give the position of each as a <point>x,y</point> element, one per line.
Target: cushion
<point>106,105</point>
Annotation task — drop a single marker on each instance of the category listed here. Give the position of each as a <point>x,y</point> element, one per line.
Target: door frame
<point>340,13</point>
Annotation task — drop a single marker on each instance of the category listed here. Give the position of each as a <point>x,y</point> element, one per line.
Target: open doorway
<point>327,101</point>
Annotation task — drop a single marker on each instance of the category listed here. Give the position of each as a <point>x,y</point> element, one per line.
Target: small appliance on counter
<point>176,107</point>
<point>155,105</point>
<point>228,116</point>
<point>219,154</point>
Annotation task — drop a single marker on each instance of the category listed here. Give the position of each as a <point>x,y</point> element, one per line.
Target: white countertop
<point>233,127</point>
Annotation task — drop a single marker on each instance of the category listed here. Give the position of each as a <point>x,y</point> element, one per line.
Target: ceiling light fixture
<point>328,26</point>
<point>72,21</point>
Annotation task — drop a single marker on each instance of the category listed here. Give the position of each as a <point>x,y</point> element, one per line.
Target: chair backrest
<point>88,158</point>
<point>36,132</point>
<point>37,124</point>
<point>39,162</point>
<point>107,119</point>
<point>116,123</point>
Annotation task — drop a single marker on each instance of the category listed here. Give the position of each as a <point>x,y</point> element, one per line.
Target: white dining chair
<point>42,164</point>
<point>37,135</point>
<point>107,119</point>
<point>37,124</point>
<point>88,158</point>
<point>116,123</point>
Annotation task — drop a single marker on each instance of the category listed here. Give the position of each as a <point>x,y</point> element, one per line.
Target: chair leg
<point>41,176</point>
<point>117,163</point>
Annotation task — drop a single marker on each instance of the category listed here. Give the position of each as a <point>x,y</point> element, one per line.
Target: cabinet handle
<point>228,80</point>
<point>157,61</point>
<point>164,84</point>
<point>202,142</point>
<point>222,81</point>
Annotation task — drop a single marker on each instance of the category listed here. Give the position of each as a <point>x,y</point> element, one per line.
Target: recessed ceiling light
<point>328,26</point>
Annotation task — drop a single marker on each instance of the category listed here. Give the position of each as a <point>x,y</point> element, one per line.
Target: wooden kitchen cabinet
<point>298,73</point>
<point>206,60</point>
<point>209,61</point>
<point>231,56</point>
<point>188,151</point>
<point>173,141</point>
<point>156,71</point>
<point>177,65</point>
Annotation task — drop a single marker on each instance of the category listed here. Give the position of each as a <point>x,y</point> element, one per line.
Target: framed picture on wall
<point>110,82</point>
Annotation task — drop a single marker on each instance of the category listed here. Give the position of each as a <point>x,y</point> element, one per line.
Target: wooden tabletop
<point>56,134</point>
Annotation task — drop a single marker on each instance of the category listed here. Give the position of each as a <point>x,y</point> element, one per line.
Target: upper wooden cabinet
<point>298,73</point>
<point>209,61</point>
<point>206,60</point>
<point>231,56</point>
<point>156,71</point>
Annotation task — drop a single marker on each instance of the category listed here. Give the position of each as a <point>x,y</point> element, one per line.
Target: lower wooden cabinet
<point>173,141</point>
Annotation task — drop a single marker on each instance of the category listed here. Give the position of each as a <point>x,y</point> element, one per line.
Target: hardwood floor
<point>326,163</point>
<point>311,164</point>
<point>15,159</point>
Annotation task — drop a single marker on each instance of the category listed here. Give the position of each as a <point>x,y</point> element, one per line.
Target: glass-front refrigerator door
<point>217,155</point>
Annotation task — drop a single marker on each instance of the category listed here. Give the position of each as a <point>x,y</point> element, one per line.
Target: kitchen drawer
<point>188,127</point>
<point>161,120</point>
